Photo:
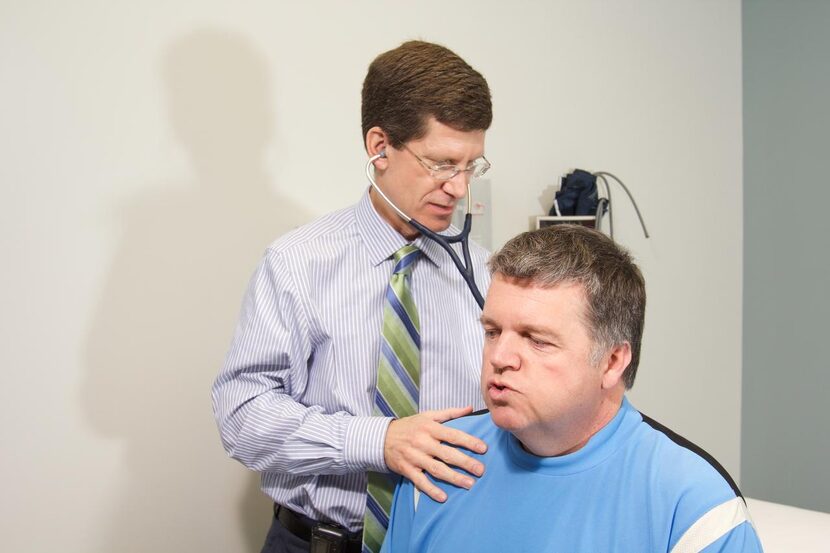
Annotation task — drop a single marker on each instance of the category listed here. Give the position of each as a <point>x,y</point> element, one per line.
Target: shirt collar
<point>382,241</point>
<point>600,446</point>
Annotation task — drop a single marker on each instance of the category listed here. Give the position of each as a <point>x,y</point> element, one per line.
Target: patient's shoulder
<point>686,464</point>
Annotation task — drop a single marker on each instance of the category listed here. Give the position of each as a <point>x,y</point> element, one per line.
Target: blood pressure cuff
<point>577,194</point>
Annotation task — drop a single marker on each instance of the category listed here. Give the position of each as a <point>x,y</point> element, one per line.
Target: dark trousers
<point>290,533</point>
<point>280,540</point>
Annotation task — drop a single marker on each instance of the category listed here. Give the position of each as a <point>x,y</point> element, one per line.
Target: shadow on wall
<point>169,307</point>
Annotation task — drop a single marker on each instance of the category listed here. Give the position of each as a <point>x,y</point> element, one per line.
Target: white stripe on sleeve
<point>712,526</point>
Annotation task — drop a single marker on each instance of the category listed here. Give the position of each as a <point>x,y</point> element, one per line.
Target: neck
<point>569,436</point>
<point>392,218</point>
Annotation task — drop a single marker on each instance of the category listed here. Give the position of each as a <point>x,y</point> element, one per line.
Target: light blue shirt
<point>294,398</point>
<point>635,487</point>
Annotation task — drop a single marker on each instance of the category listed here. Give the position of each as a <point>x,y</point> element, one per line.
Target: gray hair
<point>614,287</point>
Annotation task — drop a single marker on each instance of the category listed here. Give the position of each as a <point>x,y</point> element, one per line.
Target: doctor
<point>300,398</point>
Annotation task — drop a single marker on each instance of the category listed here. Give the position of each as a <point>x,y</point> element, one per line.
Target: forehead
<point>515,303</point>
<point>441,139</point>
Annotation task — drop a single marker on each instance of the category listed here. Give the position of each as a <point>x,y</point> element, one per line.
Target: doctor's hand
<point>420,443</point>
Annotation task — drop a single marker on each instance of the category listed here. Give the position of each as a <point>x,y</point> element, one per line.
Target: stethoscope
<point>466,269</point>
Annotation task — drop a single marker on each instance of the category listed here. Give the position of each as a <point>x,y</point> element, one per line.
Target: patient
<point>572,466</point>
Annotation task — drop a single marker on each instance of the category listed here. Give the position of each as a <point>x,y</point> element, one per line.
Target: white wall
<point>150,152</point>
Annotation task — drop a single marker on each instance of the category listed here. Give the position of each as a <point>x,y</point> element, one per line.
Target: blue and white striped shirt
<point>294,398</point>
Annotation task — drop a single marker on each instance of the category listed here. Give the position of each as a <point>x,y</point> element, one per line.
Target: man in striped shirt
<point>295,396</point>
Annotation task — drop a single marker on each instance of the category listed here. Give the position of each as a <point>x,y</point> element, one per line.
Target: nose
<point>457,186</point>
<point>501,354</point>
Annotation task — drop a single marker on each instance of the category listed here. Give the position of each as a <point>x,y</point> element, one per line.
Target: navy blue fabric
<point>577,194</point>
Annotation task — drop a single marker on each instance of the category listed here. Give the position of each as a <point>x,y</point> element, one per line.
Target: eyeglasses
<point>445,171</point>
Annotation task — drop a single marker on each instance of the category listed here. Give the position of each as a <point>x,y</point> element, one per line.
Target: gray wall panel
<point>785,448</point>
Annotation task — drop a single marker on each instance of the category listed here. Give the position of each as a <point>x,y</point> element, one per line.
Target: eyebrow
<point>447,160</point>
<point>444,161</point>
<point>542,331</point>
<point>526,328</point>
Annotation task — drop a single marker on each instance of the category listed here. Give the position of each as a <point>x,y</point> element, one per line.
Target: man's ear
<point>614,363</point>
<point>377,141</point>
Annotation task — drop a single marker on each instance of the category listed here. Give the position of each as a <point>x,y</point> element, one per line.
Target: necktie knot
<point>405,259</point>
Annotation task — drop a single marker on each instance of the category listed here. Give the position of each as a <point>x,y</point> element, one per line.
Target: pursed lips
<point>497,389</point>
<point>499,384</point>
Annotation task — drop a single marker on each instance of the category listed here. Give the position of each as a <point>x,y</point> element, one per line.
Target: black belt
<point>301,526</point>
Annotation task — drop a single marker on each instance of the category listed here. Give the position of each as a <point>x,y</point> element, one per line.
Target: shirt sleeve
<point>401,517</point>
<point>255,397</point>
<point>725,528</point>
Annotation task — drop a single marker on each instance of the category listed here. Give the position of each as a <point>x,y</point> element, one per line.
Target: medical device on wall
<point>482,212</point>
<point>578,201</point>
<point>465,268</point>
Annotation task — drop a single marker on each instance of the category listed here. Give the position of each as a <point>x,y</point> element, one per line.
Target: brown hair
<point>418,80</point>
<point>614,287</point>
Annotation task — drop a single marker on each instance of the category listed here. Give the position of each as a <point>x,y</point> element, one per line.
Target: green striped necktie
<point>397,385</point>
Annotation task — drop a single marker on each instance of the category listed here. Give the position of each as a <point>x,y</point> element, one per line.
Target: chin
<point>504,418</point>
<point>436,225</point>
